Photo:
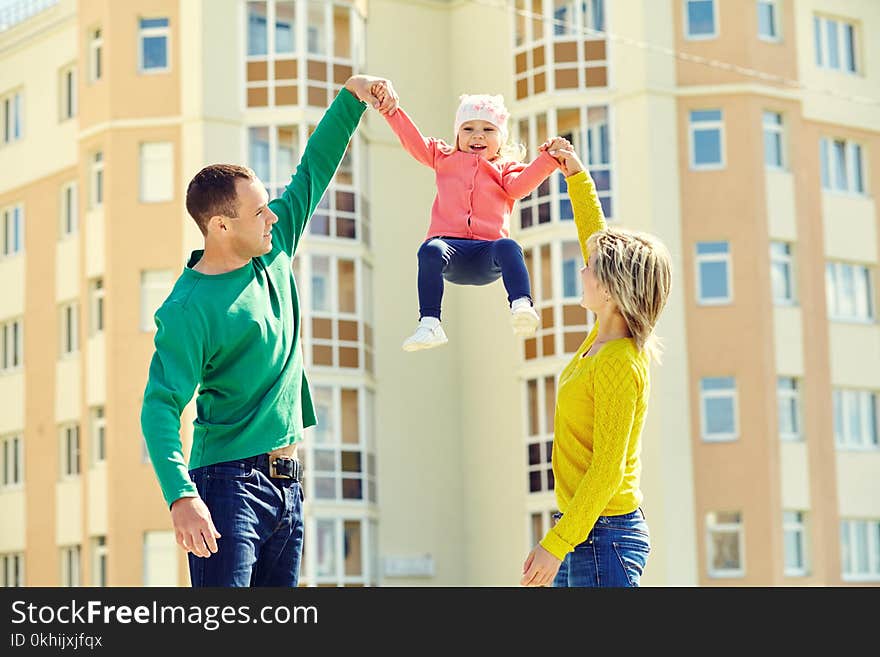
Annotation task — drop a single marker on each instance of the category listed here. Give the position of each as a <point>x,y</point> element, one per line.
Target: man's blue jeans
<point>614,554</point>
<point>260,521</point>
<point>469,262</point>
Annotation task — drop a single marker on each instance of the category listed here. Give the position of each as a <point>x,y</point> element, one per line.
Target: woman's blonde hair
<point>636,269</point>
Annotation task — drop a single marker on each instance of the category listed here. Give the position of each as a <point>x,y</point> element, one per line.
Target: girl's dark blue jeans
<point>469,262</point>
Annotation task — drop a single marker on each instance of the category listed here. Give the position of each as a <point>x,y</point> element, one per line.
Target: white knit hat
<point>482,107</point>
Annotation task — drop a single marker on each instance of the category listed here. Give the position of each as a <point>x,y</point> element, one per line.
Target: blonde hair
<point>636,269</point>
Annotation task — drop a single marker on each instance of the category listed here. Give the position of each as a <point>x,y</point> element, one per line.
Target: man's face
<point>251,231</point>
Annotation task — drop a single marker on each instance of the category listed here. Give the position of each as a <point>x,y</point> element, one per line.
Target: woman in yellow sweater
<point>601,537</point>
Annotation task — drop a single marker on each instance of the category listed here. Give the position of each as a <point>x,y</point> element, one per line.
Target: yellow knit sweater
<point>600,410</point>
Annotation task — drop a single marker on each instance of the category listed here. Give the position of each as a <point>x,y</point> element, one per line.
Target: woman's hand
<point>569,161</point>
<point>540,568</point>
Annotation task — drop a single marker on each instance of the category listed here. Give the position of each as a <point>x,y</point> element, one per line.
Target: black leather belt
<point>280,467</point>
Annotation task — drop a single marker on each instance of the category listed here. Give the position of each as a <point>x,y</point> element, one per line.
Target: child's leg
<point>507,255</point>
<point>433,257</point>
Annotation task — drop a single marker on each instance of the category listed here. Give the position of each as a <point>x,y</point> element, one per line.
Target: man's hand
<point>378,92</point>
<point>193,528</point>
<point>540,568</point>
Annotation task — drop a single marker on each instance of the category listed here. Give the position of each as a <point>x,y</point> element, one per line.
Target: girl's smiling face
<point>479,137</point>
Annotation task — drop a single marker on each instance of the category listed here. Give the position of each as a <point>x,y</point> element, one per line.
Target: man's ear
<point>218,224</point>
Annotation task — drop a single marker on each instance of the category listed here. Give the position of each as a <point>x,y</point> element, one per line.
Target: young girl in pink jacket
<point>468,239</point>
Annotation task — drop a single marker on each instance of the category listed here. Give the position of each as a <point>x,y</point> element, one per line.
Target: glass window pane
<point>316,29</point>
<point>700,17</point>
<point>831,40</point>
<point>321,283</point>
<point>839,157</point>
<point>766,20</point>
<point>772,148</point>
<point>353,550</point>
<point>719,415</point>
<point>705,115</point>
<point>849,48</point>
<point>713,280</point>
<point>824,163</point>
<point>341,32</point>
<point>817,39</point>
<point>707,248</point>
<point>325,563</point>
<point>346,286</point>
<point>257,28</point>
<point>322,399</point>
<point>718,383</point>
<point>284,27</point>
<point>725,551</point>
<point>155,52</point>
<point>259,152</point>
<point>707,146</point>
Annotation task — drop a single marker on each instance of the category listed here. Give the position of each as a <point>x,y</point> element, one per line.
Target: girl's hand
<point>555,144</point>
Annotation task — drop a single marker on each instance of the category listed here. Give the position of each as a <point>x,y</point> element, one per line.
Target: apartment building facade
<point>742,133</point>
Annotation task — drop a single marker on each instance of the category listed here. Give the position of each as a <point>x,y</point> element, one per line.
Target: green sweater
<point>237,336</point>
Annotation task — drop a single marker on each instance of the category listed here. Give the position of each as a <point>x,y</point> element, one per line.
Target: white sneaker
<point>524,318</point>
<point>425,338</point>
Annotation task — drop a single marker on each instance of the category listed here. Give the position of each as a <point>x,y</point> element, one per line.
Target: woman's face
<point>594,296</point>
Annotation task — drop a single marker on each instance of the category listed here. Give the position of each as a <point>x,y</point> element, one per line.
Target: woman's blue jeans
<point>614,554</point>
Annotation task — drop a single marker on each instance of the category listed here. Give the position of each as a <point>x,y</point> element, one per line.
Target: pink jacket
<point>474,196</point>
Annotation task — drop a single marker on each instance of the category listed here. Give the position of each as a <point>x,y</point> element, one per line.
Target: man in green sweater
<point>231,326</point>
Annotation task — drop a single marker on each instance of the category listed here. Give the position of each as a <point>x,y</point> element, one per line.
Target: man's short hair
<point>212,192</point>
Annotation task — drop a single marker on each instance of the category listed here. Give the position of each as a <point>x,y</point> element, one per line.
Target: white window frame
<point>155,283</point>
<point>150,155</point>
<point>797,526</point>
<point>774,7</point>
<point>71,574</point>
<point>702,258</point>
<point>853,161</point>
<point>68,221</point>
<point>153,32</point>
<point>784,261</point>
<point>99,560</point>
<point>96,54</point>
<point>863,292</point>
<point>98,422</point>
<point>776,129</point>
<point>68,334</point>
<point>11,104</point>
<point>872,533</point>
<point>97,314</point>
<point>12,231</point>
<point>12,569</point>
<point>67,93</point>
<point>12,337</point>
<point>686,22</point>
<point>70,450</point>
<point>820,44</point>
<point>727,527</point>
<point>12,457</point>
<point>714,124</point>
<point>97,184</point>
<point>335,552</point>
<point>544,435</point>
<point>790,395</point>
<point>865,402</point>
<point>731,393</point>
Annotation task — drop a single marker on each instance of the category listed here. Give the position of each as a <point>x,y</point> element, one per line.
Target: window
<point>99,561</point>
<point>849,292</point>
<point>160,559</point>
<point>69,328</point>
<point>768,20</point>
<point>788,400</point>
<point>835,42</point>
<point>156,285</point>
<point>13,345</point>
<point>342,461</point>
<point>860,549</point>
<point>96,306</point>
<point>782,273</point>
<point>70,574</point>
<point>96,175</point>
<point>718,403</point>
<point>345,552</point>
<point>725,544</point>
<point>12,117</point>
<point>701,19</point>
<point>153,45</point>
<point>540,523</point>
<point>855,419</point>
<point>96,46</point>
<point>12,569</point>
<point>157,172</point>
<point>773,140</point>
<point>794,530</point>
<point>67,92</point>
<point>714,285</point>
<point>13,461</point>
<point>841,165</point>
<point>70,452</point>
<point>99,434</point>
<point>69,219</point>
<point>707,139</point>
<point>13,230</point>
<point>540,408</point>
